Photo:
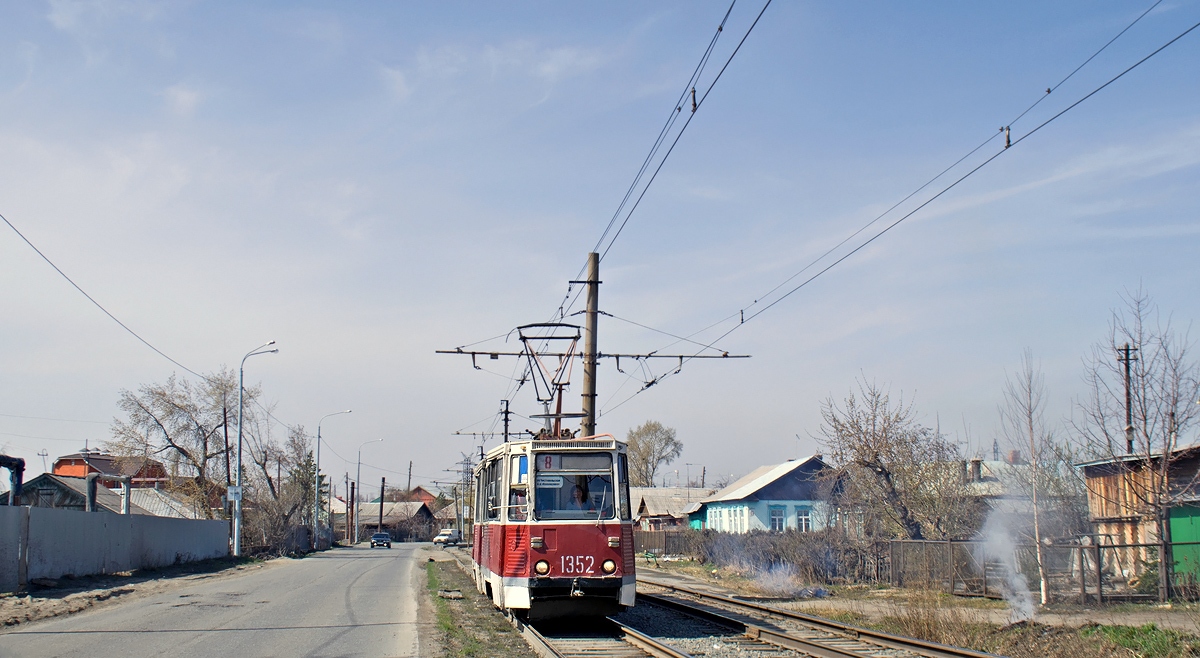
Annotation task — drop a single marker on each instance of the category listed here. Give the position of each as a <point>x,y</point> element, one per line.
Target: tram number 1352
<point>578,564</point>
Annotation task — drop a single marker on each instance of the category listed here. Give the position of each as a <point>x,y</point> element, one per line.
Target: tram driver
<point>579,500</point>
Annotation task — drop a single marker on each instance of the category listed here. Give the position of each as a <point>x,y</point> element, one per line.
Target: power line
<point>677,109</point>
<point>1004,131</point>
<point>695,106</point>
<point>93,300</point>
<point>114,318</point>
<point>57,420</point>
<point>927,202</point>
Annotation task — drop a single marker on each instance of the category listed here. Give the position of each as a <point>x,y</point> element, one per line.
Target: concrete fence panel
<point>42,542</point>
<point>12,520</point>
<point>79,543</point>
<point>159,541</point>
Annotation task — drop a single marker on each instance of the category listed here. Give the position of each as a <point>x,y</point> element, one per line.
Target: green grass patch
<point>463,643</point>
<point>470,626</point>
<point>1149,640</point>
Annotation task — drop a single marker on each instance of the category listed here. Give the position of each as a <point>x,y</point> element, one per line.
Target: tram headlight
<point>542,567</point>
<point>609,566</point>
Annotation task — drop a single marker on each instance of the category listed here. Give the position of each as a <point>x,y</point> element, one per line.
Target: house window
<point>803,519</point>
<point>777,519</point>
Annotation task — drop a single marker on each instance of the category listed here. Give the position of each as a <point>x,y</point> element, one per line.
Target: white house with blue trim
<point>787,496</point>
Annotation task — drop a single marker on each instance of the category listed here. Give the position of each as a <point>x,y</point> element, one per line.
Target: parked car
<point>381,539</point>
<point>448,537</point>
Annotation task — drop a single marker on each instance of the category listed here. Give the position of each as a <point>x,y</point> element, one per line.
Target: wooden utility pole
<point>382,488</point>
<point>352,514</point>
<point>589,345</point>
<point>409,488</point>
<point>1127,359</point>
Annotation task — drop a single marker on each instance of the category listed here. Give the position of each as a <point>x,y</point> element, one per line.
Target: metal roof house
<point>404,520</point>
<point>145,472</point>
<point>665,508</point>
<point>787,496</point>
<point>63,492</point>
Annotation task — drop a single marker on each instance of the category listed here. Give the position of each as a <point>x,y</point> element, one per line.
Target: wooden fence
<point>1092,570</point>
<point>661,542</point>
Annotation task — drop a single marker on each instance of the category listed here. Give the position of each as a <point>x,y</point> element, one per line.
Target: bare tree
<point>1142,383</point>
<point>894,468</point>
<point>650,446</point>
<point>1023,420</point>
<point>182,424</point>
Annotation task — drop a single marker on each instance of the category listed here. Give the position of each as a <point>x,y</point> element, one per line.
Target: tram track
<point>805,634</point>
<point>601,638</point>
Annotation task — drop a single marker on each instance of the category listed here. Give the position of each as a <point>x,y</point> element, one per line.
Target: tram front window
<point>574,486</point>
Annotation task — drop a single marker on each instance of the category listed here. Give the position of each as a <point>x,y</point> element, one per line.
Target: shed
<point>665,508</point>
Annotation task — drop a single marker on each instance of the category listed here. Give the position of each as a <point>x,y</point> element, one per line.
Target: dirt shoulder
<point>66,596</point>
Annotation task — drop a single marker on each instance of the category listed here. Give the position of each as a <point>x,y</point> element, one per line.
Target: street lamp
<point>237,502</point>
<point>317,487</point>
<point>358,487</point>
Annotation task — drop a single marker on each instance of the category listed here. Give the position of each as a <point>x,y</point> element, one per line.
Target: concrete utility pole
<point>358,481</point>
<point>1127,359</point>
<point>589,346</point>
<point>317,487</point>
<point>237,503</point>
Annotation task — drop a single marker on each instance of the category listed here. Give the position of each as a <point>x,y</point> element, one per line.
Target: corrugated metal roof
<point>1139,457</point>
<point>392,512</point>
<point>757,479</point>
<point>163,503</point>
<point>662,501</point>
<point>105,497</point>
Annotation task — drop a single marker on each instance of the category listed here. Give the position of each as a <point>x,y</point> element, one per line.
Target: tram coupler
<point>575,591</point>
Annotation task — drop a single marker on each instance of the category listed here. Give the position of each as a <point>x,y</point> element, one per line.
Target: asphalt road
<point>345,602</point>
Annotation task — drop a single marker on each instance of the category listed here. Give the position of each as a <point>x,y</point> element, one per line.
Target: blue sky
<point>366,185</point>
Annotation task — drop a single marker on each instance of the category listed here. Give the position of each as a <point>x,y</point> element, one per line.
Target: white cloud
<point>396,83</point>
<point>182,98</point>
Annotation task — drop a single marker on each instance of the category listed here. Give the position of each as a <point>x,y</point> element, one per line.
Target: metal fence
<point>662,542</point>
<point>1088,571</point>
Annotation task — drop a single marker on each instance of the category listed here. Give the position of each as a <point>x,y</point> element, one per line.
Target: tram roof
<point>587,443</point>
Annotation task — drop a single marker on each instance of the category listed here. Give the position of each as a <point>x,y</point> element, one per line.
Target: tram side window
<point>574,486</point>
<point>518,488</point>
<point>493,477</point>
<point>623,482</point>
<point>480,497</point>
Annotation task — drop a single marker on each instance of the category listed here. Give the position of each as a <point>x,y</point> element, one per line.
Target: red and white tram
<point>553,530</point>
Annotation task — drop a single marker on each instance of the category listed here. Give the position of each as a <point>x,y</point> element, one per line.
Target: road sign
<point>233,493</point>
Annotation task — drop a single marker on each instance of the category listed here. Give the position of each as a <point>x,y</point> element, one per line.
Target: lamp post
<point>237,503</point>
<point>317,486</point>
<point>358,487</point>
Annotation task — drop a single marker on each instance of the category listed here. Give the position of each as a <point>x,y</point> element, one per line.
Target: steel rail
<point>616,631</point>
<point>816,647</point>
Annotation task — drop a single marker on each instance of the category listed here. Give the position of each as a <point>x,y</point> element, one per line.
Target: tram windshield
<point>574,485</point>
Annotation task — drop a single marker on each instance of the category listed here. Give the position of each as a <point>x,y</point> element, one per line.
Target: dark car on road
<point>381,539</point>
